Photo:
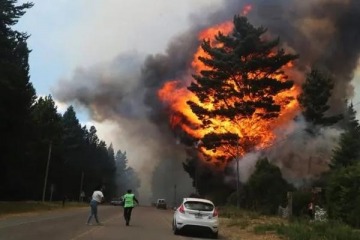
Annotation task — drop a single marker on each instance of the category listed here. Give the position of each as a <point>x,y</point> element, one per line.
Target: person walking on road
<point>97,198</point>
<point>129,203</point>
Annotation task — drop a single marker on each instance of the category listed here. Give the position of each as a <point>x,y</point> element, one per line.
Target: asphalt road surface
<point>147,223</point>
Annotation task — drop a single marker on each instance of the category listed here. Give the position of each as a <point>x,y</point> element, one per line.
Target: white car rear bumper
<point>184,221</point>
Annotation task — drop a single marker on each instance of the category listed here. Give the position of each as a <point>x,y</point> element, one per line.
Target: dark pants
<point>93,211</point>
<point>311,213</point>
<point>127,214</point>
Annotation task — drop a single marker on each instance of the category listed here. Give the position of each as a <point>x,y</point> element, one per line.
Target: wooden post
<point>47,172</point>
<point>290,203</point>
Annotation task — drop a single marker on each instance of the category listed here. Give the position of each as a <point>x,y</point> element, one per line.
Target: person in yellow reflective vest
<point>129,203</point>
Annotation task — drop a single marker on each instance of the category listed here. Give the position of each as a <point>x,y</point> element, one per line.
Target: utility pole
<point>290,204</point>
<point>237,183</point>
<point>175,204</point>
<point>237,177</point>
<point>52,188</point>
<point>196,176</point>
<point>47,171</point>
<point>81,186</point>
<point>197,145</point>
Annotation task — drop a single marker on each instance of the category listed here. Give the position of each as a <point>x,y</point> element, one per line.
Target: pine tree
<point>342,195</point>
<point>262,196</point>
<point>126,177</point>
<point>74,153</point>
<point>348,151</point>
<point>17,96</point>
<point>314,98</point>
<point>121,166</point>
<point>110,177</point>
<point>240,83</point>
<point>47,131</point>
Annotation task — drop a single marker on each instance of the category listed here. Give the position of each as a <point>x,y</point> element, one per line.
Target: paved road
<point>147,223</point>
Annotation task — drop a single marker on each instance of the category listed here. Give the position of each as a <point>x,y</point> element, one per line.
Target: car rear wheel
<point>175,229</point>
<point>215,235</point>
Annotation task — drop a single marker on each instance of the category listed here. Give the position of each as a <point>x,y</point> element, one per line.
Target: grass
<point>239,224</point>
<point>10,208</point>
<point>305,230</point>
<point>233,212</point>
<point>242,224</point>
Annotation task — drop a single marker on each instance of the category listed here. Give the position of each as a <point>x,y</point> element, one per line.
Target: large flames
<point>258,131</point>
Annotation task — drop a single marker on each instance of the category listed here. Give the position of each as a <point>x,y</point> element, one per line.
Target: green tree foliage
<point>84,154</point>
<point>73,138</point>
<point>17,96</point>
<point>110,179</point>
<point>347,153</point>
<point>266,189</point>
<point>316,91</point>
<point>239,83</point>
<point>342,195</point>
<point>72,154</point>
<point>126,177</point>
<point>96,163</point>
<point>207,181</point>
<point>47,131</point>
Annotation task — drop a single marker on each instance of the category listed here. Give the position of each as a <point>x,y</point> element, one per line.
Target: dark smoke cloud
<point>324,32</point>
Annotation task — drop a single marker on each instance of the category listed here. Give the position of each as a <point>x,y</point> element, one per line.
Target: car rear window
<point>199,206</point>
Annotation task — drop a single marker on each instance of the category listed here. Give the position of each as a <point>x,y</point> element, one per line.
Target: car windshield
<point>199,206</point>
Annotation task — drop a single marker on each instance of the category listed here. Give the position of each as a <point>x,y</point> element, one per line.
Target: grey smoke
<point>324,33</point>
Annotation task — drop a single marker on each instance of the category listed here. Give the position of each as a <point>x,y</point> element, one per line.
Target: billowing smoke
<point>324,32</point>
<point>115,93</point>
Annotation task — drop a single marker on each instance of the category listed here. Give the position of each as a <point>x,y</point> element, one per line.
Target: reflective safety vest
<point>129,200</point>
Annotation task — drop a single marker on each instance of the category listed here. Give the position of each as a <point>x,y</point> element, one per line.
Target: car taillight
<point>215,213</point>
<point>181,209</point>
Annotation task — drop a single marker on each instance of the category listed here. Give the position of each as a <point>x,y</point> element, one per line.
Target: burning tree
<point>240,88</point>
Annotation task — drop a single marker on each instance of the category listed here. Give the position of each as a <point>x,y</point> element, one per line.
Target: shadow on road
<point>198,234</point>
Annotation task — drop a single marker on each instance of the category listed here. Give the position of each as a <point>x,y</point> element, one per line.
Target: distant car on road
<point>161,203</point>
<point>196,214</point>
<point>117,202</point>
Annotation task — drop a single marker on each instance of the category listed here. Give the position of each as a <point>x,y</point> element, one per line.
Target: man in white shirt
<point>97,198</point>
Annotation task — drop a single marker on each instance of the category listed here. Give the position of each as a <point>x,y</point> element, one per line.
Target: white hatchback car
<point>196,213</point>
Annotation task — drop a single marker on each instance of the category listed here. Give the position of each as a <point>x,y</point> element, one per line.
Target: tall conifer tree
<point>17,96</point>
<point>239,82</point>
<point>348,151</point>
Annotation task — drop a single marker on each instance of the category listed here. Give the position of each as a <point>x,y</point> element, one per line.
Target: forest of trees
<point>39,146</point>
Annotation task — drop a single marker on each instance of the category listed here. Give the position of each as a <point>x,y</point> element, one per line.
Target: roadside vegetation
<point>13,208</point>
<point>241,224</point>
<point>306,230</point>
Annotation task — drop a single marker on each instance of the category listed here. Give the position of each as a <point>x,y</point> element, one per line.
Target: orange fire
<point>246,9</point>
<point>257,132</point>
